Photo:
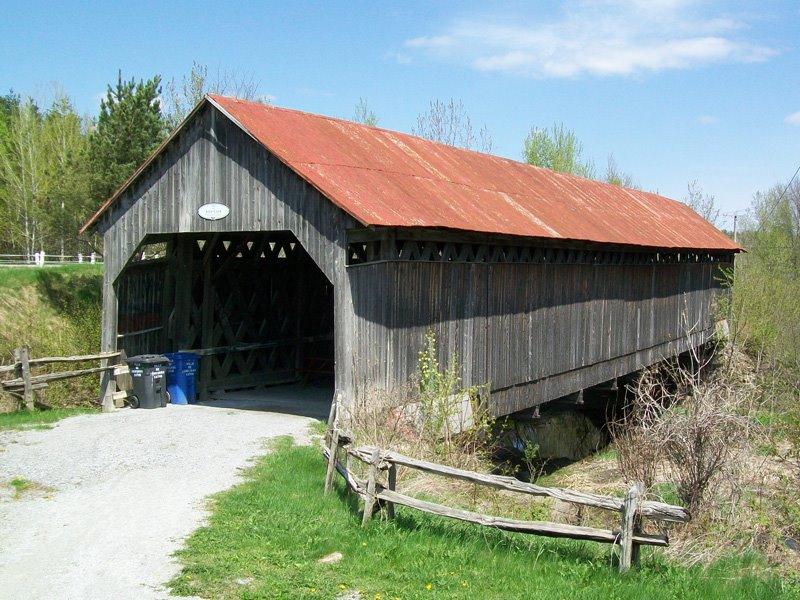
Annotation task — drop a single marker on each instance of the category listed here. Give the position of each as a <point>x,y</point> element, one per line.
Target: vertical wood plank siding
<point>213,160</point>
<point>533,331</point>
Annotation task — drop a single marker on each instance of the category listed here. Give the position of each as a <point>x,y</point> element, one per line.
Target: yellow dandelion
<point>342,586</point>
<point>364,544</point>
<point>463,584</point>
<point>313,590</point>
<point>428,586</point>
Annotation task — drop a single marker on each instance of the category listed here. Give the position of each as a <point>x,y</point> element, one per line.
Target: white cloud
<point>708,120</point>
<point>793,119</point>
<point>596,37</point>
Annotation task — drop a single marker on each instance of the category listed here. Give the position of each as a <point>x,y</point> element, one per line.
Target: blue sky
<point>676,90</point>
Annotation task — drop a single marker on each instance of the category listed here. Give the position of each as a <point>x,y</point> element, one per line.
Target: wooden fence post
<point>23,371</point>
<point>392,486</point>
<point>108,385</point>
<point>333,453</point>
<point>629,552</point>
<point>347,489</point>
<point>637,525</point>
<point>370,500</point>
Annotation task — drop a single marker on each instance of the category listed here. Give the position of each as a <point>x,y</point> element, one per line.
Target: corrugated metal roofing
<point>385,178</point>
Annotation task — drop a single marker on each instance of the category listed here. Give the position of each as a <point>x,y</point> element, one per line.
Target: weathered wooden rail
<point>24,383</point>
<point>632,508</point>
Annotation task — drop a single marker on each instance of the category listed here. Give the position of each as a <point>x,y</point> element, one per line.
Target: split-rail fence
<point>24,383</point>
<point>379,490</point>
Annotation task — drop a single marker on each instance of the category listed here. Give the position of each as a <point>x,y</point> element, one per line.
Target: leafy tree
<point>129,128</point>
<point>450,124</point>
<point>22,172</point>
<point>66,176</point>
<point>44,181</point>
<point>557,149</point>
<point>767,280</point>
<point>8,104</point>
<point>701,203</point>
<point>363,114</point>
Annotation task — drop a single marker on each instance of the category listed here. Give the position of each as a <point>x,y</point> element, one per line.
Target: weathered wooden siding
<point>534,332</point>
<point>140,314</point>
<point>213,160</point>
<point>532,329</point>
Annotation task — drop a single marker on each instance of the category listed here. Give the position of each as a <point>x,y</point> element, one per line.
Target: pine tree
<point>129,128</point>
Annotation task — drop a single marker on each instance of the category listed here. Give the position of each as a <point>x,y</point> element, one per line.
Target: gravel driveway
<point>117,494</point>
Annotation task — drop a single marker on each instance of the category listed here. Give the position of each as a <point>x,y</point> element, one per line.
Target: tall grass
<point>266,537</point>
<point>54,311</point>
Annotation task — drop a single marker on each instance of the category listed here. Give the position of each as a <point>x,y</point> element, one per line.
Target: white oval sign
<point>213,211</point>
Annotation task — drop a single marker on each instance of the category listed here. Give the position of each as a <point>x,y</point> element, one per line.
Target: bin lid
<point>147,359</point>
<point>182,355</point>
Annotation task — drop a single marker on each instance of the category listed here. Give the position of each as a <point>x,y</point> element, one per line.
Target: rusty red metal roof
<point>385,178</point>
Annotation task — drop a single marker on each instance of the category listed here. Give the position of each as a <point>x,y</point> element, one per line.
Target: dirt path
<point>116,494</point>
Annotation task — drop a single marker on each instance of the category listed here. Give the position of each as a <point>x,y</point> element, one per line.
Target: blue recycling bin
<point>181,377</point>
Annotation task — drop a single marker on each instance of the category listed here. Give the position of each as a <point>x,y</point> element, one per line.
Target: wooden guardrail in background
<point>632,508</point>
<point>24,383</point>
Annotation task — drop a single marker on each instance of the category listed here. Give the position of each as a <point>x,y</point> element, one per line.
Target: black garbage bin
<point>148,372</point>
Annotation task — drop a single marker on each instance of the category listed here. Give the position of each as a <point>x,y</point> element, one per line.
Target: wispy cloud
<point>708,120</point>
<point>596,37</point>
<point>793,119</point>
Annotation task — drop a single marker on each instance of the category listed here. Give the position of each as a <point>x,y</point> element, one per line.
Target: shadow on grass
<point>459,532</point>
<point>70,290</point>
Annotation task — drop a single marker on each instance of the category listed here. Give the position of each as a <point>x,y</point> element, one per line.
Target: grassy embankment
<point>266,536</point>
<point>54,311</point>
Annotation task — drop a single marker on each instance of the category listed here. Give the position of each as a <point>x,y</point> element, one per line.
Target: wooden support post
<point>392,486</point>
<point>23,371</point>
<point>183,293</point>
<point>629,552</point>
<point>168,298</point>
<point>118,400</point>
<point>371,500</point>
<point>108,341</point>
<point>108,386</point>
<point>300,307</point>
<point>347,489</point>
<point>332,416</point>
<point>207,321</point>
<point>332,457</point>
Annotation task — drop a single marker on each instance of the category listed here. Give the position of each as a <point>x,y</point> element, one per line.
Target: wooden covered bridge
<point>279,245</point>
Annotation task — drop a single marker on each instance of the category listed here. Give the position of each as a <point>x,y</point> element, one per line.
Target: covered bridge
<point>279,244</point>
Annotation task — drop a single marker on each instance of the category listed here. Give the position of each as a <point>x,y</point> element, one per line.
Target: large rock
<point>563,434</point>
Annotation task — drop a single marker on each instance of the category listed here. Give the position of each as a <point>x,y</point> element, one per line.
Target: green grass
<point>319,427</point>
<point>38,419</point>
<point>15,277</point>
<point>269,532</point>
<point>20,485</point>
